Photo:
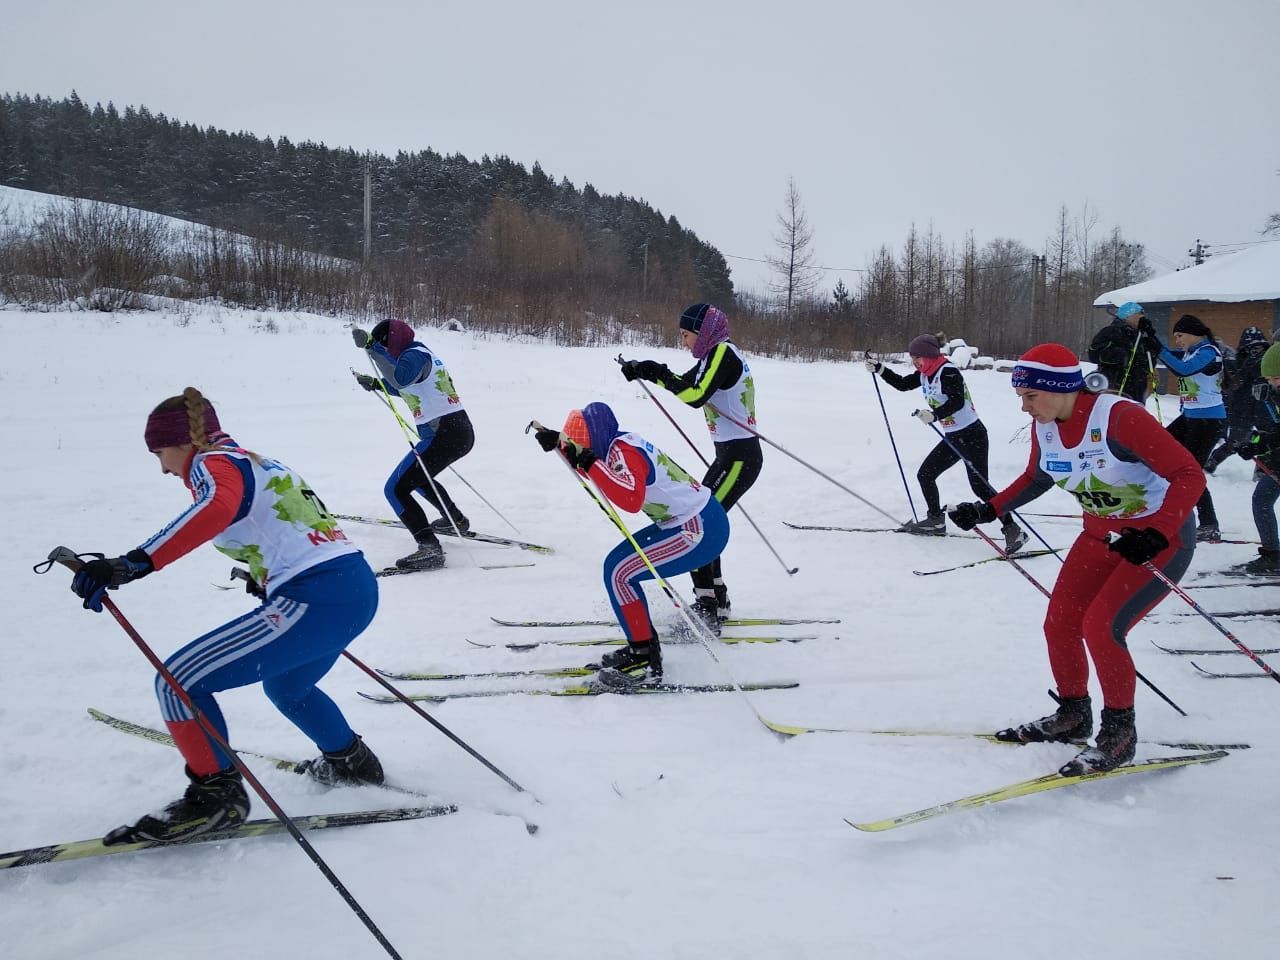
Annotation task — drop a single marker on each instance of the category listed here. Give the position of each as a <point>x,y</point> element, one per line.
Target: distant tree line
<point>449,235</point>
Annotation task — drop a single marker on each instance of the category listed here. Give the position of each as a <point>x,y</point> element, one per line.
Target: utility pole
<point>1200,252</point>
<point>368,211</point>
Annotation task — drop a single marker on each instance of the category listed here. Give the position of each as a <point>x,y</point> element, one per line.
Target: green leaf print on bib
<point>444,384</point>
<point>1105,500</point>
<point>298,505</point>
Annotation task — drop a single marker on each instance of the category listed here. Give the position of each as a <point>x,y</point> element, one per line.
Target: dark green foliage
<point>428,210</point>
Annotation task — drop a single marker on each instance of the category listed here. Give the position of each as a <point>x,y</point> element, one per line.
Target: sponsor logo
<point>274,618</point>
<point>1058,466</point>
<point>1095,435</point>
<point>1101,463</point>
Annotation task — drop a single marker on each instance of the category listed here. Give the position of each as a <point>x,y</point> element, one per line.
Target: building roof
<point>1250,274</point>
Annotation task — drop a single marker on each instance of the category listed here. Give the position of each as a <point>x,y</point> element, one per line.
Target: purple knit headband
<point>172,428</point>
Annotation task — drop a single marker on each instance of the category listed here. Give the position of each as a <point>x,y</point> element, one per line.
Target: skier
<point>411,371</point>
<point>1125,352</point>
<point>1132,480</point>
<point>949,405</point>
<point>722,380</point>
<point>1265,451</point>
<point>688,528</point>
<point>1243,408</point>
<point>1202,423</point>
<point>317,591</point>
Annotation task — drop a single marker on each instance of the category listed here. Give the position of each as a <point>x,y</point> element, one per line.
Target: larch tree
<point>796,276</point>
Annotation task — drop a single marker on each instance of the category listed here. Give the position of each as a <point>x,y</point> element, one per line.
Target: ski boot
<point>1015,538</point>
<point>213,802</point>
<point>445,525</point>
<point>933,525</point>
<point>1265,564</point>
<point>355,765</point>
<point>1115,746</point>
<point>633,665</point>
<point>705,610</point>
<point>1073,720</point>
<point>428,556</point>
<point>1208,533</point>
<point>723,610</point>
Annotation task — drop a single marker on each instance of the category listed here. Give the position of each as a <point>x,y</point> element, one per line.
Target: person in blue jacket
<point>1198,363</point>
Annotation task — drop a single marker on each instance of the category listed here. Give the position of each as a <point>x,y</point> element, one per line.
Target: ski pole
<point>875,380</point>
<point>977,473</point>
<point>805,463</point>
<point>410,435</point>
<point>434,722</point>
<point>1039,586</point>
<point>69,559</point>
<point>454,471</point>
<point>1168,582</point>
<point>791,571</point>
<point>601,501</point>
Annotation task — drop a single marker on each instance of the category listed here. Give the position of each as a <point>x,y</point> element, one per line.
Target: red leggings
<point>1098,598</point>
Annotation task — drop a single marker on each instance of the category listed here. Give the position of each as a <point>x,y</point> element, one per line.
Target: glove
<point>361,338</point>
<point>251,586</point>
<point>94,577</point>
<point>966,516</point>
<point>1246,450</point>
<point>581,457</point>
<point>548,440</point>
<point>873,366</point>
<point>649,370</point>
<point>366,381</point>
<point>1138,546</point>
<point>924,416</point>
<point>1145,327</point>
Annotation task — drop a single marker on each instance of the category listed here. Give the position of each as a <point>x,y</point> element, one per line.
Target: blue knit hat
<point>693,316</point>
<point>1126,310</point>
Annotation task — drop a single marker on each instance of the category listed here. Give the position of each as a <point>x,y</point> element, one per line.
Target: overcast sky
<point>1162,116</point>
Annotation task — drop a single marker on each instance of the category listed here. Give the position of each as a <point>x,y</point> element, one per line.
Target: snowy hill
<point>671,827</point>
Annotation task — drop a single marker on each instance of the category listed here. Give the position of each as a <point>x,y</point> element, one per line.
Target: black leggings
<point>731,474</point>
<point>452,440</point>
<point>972,444</point>
<point>1200,435</point>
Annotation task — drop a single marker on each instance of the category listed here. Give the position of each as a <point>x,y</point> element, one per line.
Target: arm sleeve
<point>953,389</point>
<point>221,493</point>
<point>723,369</point>
<point>1030,484</point>
<point>899,382</point>
<point>1199,361</point>
<point>1136,432</point>
<point>623,476</point>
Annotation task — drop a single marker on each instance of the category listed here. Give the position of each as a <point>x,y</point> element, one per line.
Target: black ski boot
<point>632,665</point>
<point>1073,720</point>
<point>213,802</point>
<point>445,525</point>
<point>1015,538</point>
<point>355,765</point>
<point>1265,564</point>
<point>723,610</point>
<point>933,525</point>
<point>705,611</point>
<point>1115,746</point>
<point>428,556</point>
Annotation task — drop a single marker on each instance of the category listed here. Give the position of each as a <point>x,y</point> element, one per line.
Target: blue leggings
<point>694,544</point>
<point>1265,495</point>
<point>287,644</point>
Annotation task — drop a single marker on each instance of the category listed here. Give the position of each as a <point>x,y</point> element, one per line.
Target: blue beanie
<point>1128,309</point>
<point>693,316</point>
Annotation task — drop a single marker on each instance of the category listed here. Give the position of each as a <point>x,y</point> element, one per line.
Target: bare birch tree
<point>797,277</point>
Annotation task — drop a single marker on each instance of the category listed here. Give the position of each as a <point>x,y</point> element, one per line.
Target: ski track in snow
<point>739,850</point>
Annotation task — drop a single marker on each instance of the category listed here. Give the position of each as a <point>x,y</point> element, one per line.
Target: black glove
<point>1139,546</point>
<point>1246,450</point>
<point>580,457</point>
<point>94,577</point>
<point>251,586</point>
<point>548,440</point>
<point>650,370</point>
<point>361,338</point>
<point>366,381</point>
<point>1145,326</point>
<point>966,516</point>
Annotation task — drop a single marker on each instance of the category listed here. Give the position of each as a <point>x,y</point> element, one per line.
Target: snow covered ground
<point>674,827</point>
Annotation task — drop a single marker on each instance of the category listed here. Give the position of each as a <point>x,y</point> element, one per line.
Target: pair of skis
<point>469,535</point>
